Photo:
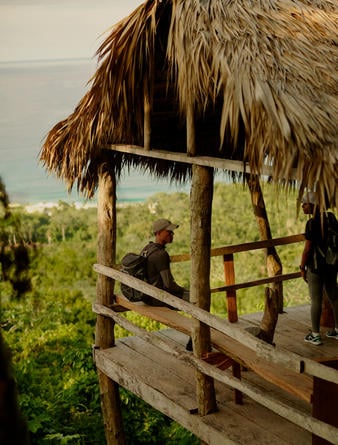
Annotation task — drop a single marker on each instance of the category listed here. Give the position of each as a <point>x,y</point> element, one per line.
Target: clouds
<point>49,30</point>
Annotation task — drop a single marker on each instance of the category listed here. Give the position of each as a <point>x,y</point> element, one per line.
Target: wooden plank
<point>274,391</point>
<point>292,326</point>
<point>244,247</point>
<point>178,337</point>
<point>161,314</point>
<point>298,384</point>
<point>265,387</point>
<point>206,161</point>
<point>161,371</point>
<point>247,375</point>
<point>125,368</point>
<point>253,424</point>
<point>136,373</point>
<point>259,282</point>
<point>267,420</point>
<point>276,355</point>
<point>228,426</point>
<point>285,411</point>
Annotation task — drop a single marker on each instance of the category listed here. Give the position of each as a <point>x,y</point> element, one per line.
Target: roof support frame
<point>206,161</point>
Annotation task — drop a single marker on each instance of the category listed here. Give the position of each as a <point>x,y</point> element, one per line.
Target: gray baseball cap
<point>163,224</point>
<point>309,197</point>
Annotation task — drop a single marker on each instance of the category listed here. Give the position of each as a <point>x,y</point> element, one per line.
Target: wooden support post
<point>104,334</point>
<point>200,223</point>
<point>229,278</point>
<point>273,262</point>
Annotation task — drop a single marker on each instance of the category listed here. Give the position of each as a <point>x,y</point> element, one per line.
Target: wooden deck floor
<point>291,329</point>
<point>168,384</point>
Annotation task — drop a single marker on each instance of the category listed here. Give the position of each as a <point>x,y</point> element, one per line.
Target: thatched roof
<point>260,77</point>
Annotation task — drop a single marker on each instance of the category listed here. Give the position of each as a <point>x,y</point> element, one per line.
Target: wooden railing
<point>229,268</point>
<point>263,351</point>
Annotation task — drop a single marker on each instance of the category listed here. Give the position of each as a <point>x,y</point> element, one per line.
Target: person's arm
<point>170,284</point>
<point>305,258</point>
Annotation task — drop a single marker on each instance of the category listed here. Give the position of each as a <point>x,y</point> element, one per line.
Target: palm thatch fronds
<point>261,78</point>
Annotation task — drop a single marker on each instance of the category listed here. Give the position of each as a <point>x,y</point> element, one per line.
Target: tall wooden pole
<point>201,209</point>
<point>104,334</point>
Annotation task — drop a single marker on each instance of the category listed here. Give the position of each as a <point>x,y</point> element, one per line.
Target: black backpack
<point>330,252</point>
<point>135,265</point>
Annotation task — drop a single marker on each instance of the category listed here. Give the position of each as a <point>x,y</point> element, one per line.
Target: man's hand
<point>303,273</point>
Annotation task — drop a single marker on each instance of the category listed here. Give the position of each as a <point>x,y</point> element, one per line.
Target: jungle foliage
<point>51,330</point>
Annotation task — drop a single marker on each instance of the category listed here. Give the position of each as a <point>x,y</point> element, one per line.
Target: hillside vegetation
<point>51,330</point>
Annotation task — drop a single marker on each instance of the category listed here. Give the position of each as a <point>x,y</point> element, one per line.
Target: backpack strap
<point>149,249</point>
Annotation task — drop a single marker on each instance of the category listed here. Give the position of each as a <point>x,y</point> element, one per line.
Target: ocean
<point>34,97</point>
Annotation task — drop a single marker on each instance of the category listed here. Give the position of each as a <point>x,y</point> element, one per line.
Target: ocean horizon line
<point>128,198</point>
<point>36,62</point>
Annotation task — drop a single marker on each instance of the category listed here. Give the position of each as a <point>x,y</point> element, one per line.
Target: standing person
<point>315,271</point>
<point>158,263</point>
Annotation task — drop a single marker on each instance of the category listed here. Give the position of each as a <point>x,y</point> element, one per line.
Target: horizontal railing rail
<point>244,247</point>
<point>275,354</point>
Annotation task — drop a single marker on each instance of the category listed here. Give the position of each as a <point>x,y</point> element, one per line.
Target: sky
<point>57,29</point>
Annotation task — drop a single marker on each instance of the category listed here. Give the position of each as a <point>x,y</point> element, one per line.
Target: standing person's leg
<point>330,285</point>
<point>315,285</point>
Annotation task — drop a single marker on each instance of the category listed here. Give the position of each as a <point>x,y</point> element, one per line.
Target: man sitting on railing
<point>158,262</point>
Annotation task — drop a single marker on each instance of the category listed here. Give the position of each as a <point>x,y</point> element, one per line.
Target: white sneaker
<point>314,339</point>
<point>332,334</point>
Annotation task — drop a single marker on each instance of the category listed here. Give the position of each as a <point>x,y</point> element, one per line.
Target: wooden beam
<point>244,247</point>
<point>260,282</point>
<point>297,384</point>
<point>206,161</point>
<point>135,373</point>
<point>236,331</point>
<point>106,241</point>
<point>104,334</point>
<point>285,410</point>
<point>200,235</point>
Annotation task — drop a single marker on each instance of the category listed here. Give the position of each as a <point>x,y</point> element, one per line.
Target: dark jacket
<point>158,270</point>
